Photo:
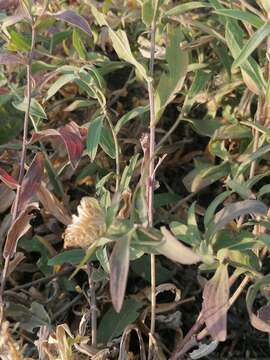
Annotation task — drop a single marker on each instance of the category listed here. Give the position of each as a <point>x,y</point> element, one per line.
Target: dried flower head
<point>87,226</point>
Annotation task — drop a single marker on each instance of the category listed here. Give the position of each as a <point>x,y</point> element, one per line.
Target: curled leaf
<point>31,181</point>
<point>260,321</point>
<point>71,136</point>
<point>175,250</point>
<point>19,227</point>
<point>215,303</point>
<point>53,205</point>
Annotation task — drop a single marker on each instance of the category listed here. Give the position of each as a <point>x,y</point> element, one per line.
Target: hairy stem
<point>93,305</point>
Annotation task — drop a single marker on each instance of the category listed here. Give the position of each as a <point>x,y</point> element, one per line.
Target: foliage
<point>76,95</point>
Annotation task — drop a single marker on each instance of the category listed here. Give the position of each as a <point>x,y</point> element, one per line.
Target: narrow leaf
<point>215,304</point>
<point>31,181</point>
<point>119,265</point>
<point>175,250</point>
<point>93,137</point>
<point>253,42</point>
<point>20,227</point>
<point>74,19</point>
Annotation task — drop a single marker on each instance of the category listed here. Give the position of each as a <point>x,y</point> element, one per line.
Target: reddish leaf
<point>31,181</point>
<point>8,179</point>
<point>53,205</point>
<point>8,59</point>
<point>70,135</point>
<point>119,263</point>
<point>215,304</point>
<point>19,227</point>
<point>74,19</point>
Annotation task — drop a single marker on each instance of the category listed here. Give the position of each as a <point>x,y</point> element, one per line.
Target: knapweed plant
<point>134,154</point>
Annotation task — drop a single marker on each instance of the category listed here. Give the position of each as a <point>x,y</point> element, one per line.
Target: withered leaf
<point>53,205</point>
<point>19,227</point>
<point>8,179</point>
<point>119,264</point>
<point>70,135</point>
<point>74,19</point>
<point>215,303</point>
<point>31,181</point>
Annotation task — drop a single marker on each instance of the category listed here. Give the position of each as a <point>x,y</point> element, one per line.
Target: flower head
<point>87,226</point>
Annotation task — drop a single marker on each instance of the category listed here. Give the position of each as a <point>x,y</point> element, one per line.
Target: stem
<point>22,162</point>
<point>117,152</point>
<point>151,179</point>
<point>93,305</point>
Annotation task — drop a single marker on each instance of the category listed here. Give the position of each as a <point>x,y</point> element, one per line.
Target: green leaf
<point>193,230</point>
<point>171,83</point>
<point>11,123</point>
<point>189,6</point>
<point>107,142</point>
<point>78,44</point>
<point>200,178</point>
<point>255,320</point>
<point>128,172</point>
<point>252,73</point>
<point>147,12</point>
<point>209,214</point>
<point>113,324</point>
<point>263,190</point>
<point>73,257</point>
<point>252,157</point>
<point>120,43</point>
<point>240,188</point>
<point>163,199</point>
<point>20,42</point>
<point>254,41</point>
<point>132,114</point>
<point>29,319</point>
<point>233,211</point>
<point>245,16</point>
<point>205,127</point>
<point>93,136</point>
<point>59,83</point>
<point>35,108</point>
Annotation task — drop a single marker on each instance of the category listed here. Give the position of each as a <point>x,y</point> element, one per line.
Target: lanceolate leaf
<point>252,44</point>
<point>175,250</point>
<point>31,182</point>
<point>243,16</point>
<point>93,137</point>
<point>215,304</point>
<point>232,211</point>
<point>252,74</point>
<point>119,264</point>
<point>170,84</point>
<point>71,136</point>
<point>191,5</point>
<point>74,19</point>
<point>19,227</point>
